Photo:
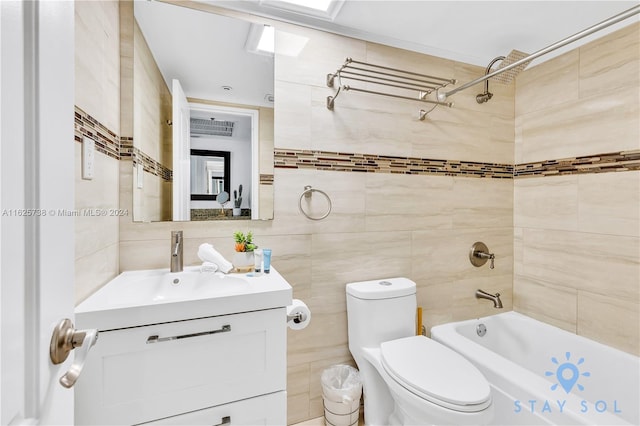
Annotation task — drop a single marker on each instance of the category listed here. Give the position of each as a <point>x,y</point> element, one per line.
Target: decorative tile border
<point>130,152</point>
<point>367,163</point>
<point>118,148</point>
<point>106,141</point>
<point>151,166</point>
<point>600,163</point>
<point>266,179</point>
<point>121,148</point>
<point>219,214</point>
<point>126,148</point>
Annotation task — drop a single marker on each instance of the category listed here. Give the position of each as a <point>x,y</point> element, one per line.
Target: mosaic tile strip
<point>219,214</point>
<point>150,165</point>
<point>600,163</point>
<point>367,163</point>
<point>126,148</point>
<point>129,152</point>
<point>121,148</point>
<point>106,141</point>
<point>266,179</point>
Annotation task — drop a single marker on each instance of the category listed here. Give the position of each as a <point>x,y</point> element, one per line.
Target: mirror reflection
<point>210,174</point>
<point>201,83</point>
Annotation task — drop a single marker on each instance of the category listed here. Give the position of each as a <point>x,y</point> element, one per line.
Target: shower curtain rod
<point>597,27</point>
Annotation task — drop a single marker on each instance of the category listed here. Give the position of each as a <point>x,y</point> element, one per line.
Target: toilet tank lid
<point>382,289</point>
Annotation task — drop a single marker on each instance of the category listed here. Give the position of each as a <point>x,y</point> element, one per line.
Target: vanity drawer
<point>139,374</point>
<point>262,410</point>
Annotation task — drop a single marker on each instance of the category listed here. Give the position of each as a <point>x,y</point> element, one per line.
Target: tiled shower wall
<point>382,224</point>
<point>577,236</point>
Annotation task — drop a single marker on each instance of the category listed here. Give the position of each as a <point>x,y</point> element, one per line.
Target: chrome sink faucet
<point>176,251</point>
<point>495,298</point>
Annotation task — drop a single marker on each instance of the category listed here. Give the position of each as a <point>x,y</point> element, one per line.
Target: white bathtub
<point>515,355</point>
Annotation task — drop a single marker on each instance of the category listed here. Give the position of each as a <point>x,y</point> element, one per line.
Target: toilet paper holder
<point>297,317</point>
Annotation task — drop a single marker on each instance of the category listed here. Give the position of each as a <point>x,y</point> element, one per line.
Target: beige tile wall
<point>97,92</point>
<point>381,225</point>
<point>577,238</point>
<point>151,134</point>
<point>149,110</point>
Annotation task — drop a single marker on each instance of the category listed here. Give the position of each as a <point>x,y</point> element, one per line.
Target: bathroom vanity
<point>185,348</point>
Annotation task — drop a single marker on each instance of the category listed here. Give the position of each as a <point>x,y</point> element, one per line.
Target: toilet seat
<point>436,373</point>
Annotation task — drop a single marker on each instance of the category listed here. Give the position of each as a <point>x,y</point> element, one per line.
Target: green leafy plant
<point>237,197</point>
<point>244,242</point>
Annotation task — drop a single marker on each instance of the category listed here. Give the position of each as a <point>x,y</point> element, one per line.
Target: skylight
<point>267,39</point>
<point>312,4</point>
<point>324,9</point>
<point>261,39</point>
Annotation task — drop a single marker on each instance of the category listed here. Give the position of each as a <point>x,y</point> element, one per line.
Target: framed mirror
<point>201,82</point>
<point>210,174</point>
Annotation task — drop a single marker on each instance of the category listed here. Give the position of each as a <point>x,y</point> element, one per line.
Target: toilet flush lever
<point>479,254</point>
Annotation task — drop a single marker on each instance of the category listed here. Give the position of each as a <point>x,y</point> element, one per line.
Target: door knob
<point>65,338</point>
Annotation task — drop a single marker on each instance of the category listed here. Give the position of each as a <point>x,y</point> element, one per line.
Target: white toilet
<point>409,379</point>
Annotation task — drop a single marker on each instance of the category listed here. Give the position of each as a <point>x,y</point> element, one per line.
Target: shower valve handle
<point>479,254</point>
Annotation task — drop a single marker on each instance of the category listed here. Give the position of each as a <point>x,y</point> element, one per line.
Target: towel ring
<point>307,194</point>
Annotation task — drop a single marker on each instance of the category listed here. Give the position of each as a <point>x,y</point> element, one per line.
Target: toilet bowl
<point>408,379</point>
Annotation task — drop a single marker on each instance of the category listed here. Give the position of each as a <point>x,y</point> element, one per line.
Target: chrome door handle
<point>64,339</point>
<point>157,339</point>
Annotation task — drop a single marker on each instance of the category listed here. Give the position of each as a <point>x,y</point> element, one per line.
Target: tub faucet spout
<point>495,298</point>
<point>176,251</point>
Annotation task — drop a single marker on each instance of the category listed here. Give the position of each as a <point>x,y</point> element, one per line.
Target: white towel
<point>207,253</point>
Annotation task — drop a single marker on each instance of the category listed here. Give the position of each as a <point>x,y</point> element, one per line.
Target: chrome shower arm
<point>485,96</point>
<point>597,27</point>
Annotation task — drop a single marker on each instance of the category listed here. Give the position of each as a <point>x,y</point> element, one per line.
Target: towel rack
<point>308,190</point>
<point>400,81</point>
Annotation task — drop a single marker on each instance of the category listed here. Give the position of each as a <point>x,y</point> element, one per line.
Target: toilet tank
<point>380,310</point>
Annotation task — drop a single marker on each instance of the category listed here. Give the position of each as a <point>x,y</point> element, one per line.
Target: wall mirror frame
<point>153,194</point>
<point>209,183</point>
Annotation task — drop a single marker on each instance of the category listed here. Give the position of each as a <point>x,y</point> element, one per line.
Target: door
<point>36,180</point>
<point>181,153</point>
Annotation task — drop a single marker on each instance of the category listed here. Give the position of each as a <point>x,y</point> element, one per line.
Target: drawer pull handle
<point>157,339</point>
<point>225,421</point>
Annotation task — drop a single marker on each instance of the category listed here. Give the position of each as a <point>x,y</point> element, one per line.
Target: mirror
<point>211,69</point>
<point>210,174</point>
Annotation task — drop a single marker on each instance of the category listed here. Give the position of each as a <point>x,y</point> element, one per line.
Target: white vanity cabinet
<point>220,369</point>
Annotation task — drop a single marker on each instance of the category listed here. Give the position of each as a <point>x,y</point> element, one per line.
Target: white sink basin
<point>161,286</point>
<point>137,298</point>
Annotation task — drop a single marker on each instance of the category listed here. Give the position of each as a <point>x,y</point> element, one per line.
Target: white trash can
<point>341,391</point>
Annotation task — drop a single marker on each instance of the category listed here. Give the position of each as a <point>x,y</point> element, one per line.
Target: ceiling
<point>206,53</point>
<point>473,32</point>
<point>468,31</point>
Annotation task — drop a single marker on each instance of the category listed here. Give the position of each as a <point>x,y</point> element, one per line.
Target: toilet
<point>409,379</point>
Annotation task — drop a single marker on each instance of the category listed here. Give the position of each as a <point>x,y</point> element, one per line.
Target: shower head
<point>505,77</point>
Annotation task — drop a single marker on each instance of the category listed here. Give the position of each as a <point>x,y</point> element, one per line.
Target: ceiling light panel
<point>260,39</point>
<point>323,9</point>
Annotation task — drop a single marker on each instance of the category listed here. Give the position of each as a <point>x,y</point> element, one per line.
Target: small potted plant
<point>237,201</point>
<point>244,246</point>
